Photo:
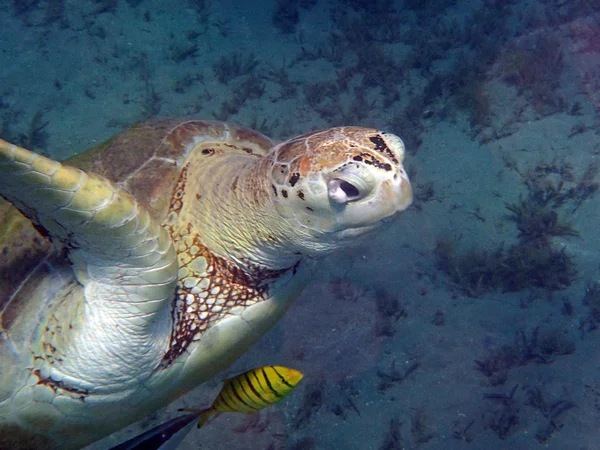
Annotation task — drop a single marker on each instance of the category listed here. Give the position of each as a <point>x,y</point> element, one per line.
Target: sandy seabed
<point>421,337</point>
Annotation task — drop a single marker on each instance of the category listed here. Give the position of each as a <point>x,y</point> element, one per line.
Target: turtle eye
<point>340,191</point>
<point>349,189</point>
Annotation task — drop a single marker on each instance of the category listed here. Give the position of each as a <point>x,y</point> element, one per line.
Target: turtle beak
<point>398,193</point>
<point>404,194</point>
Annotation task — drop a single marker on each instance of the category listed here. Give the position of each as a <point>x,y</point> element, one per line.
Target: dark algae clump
<point>536,260</point>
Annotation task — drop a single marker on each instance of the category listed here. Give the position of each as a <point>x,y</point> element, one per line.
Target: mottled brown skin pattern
<point>305,162</point>
<point>310,162</point>
<point>191,313</point>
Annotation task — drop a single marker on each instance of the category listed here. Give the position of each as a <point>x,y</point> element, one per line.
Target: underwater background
<point>471,322</point>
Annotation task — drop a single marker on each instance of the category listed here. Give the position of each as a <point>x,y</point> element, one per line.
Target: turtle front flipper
<point>96,221</point>
<point>122,256</point>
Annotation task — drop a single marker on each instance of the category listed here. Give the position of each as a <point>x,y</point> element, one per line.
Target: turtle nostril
<point>349,189</point>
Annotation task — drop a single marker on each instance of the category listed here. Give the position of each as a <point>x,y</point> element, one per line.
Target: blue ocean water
<point>471,322</point>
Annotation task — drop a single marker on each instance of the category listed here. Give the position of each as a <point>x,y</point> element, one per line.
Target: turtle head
<point>337,184</point>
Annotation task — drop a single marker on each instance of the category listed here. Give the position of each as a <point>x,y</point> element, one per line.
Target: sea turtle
<point>176,245</point>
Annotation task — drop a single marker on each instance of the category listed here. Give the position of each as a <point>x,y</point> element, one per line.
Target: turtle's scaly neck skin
<point>229,238</point>
<point>233,213</point>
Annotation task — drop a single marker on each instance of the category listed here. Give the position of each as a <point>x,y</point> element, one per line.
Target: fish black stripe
<point>283,380</point>
<point>263,387</point>
<point>240,405</point>
<point>227,401</point>
<point>239,397</point>
<point>255,391</point>
<point>229,395</point>
<point>277,394</point>
<point>232,400</point>
<point>241,388</point>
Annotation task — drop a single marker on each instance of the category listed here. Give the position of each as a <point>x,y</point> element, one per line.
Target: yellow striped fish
<point>251,391</point>
<point>248,392</point>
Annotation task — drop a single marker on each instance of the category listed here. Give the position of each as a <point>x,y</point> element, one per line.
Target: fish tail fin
<point>204,417</point>
<point>204,414</point>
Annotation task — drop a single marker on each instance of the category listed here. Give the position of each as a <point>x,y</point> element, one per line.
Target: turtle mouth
<point>355,231</point>
<point>350,233</point>
<point>364,229</point>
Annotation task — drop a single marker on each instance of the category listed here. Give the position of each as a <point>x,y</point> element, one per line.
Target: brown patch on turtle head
<point>320,178</point>
<point>331,150</point>
<point>328,149</point>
